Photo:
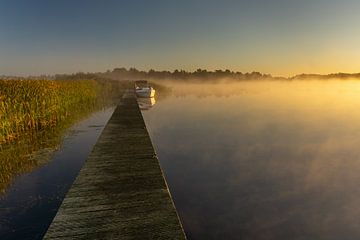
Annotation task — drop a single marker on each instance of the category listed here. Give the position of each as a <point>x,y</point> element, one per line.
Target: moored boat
<point>144,90</point>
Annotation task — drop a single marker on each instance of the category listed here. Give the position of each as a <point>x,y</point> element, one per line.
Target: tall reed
<point>35,115</point>
<point>37,104</point>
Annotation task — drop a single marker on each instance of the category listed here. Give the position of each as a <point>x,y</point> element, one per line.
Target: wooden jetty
<point>120,193</point>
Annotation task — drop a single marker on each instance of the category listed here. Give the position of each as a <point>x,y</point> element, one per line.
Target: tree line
<point>199,75</point>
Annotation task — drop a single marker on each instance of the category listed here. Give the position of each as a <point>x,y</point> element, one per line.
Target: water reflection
<point>34,149</point>
<point>37,169</point>
<point>262,160</point>
<point>27,153</point>
<point>30,204</point>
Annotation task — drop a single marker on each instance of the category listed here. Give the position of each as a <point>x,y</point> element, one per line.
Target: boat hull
<point>146,103</point>
<point>145,93</point>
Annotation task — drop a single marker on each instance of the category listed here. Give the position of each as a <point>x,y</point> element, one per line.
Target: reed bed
<point>35,115</point>
<point>27,105</point>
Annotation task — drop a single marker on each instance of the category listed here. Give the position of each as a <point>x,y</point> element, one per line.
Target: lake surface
<point>31,201</point>
<point>262,160</point>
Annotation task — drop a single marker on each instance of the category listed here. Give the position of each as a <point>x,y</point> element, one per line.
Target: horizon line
<point>177,69</point>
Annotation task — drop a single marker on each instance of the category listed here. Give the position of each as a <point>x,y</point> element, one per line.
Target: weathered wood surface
<point>120,193</point>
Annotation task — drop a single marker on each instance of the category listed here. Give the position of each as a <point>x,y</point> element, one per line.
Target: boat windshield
<point>141,84</point>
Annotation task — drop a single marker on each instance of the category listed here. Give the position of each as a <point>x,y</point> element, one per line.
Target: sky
<point>280,37</point>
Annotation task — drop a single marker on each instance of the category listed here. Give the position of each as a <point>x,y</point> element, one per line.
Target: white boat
<point>144,90</point>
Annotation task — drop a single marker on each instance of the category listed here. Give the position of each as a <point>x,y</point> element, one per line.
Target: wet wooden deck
<point>120,193</point>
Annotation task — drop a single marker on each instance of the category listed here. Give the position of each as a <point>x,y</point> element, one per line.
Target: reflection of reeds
<point>34,114</point>
<point>27,152</point>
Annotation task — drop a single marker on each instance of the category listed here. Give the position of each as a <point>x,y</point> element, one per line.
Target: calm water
<point>262,160</point>
<point>31,202</point>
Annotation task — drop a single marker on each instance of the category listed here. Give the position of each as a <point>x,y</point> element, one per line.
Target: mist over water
<point>262,159</point>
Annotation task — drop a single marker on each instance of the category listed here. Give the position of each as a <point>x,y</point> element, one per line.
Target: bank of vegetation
<point>35,114</point>
<point>28,105</point>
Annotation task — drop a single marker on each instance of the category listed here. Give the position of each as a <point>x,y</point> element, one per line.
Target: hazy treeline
<point>328,76</point>
<point>198,75</point>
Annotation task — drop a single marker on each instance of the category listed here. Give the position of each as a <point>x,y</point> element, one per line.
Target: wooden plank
<point>120,193</point>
